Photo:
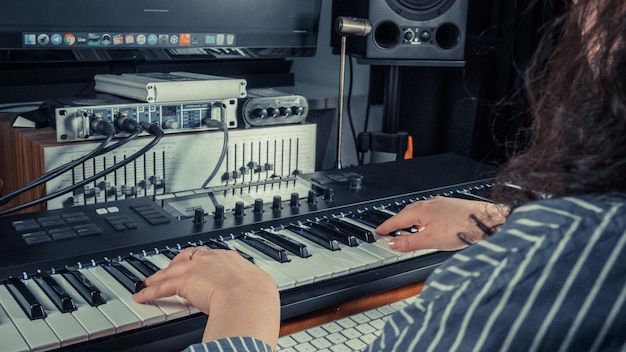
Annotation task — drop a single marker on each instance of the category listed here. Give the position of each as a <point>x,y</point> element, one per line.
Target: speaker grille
<point>420,10</point>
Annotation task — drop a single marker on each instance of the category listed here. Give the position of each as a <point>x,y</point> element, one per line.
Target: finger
<point>425,240</point>
<point>164,288</point>
<point>402,220</point>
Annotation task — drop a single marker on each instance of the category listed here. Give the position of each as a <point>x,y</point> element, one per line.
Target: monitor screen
<point>40,30</point>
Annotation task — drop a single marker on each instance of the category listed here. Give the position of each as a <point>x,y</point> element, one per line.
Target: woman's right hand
<point>442,223</point>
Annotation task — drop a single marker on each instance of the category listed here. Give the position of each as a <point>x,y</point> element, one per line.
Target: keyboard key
<point>30,305</point>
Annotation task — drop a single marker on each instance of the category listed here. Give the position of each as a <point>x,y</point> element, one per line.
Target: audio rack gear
<point>72,116</point>
<point>159,87</point>
<point>181,162</point>
<point>268,107</point>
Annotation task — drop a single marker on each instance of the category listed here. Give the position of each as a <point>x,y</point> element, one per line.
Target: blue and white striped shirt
<point>552,279</point>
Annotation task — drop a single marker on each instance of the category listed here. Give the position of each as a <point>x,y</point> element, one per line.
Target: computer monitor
<point>88,31</point>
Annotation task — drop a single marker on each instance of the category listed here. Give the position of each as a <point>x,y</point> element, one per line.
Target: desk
<point>348,308</point>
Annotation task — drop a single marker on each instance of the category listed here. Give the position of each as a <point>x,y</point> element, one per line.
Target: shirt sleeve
<point>231,344</point>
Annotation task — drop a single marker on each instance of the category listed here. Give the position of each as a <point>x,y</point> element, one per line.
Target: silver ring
<point>193,252</point>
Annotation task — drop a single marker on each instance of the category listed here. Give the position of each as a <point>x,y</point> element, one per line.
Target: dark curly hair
<point>576,92</point>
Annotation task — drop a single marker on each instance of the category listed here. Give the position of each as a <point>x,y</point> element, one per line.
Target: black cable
<point>153,129</point>
<point>349,106</point>
<point>102,127</point>
<point>223,126</point>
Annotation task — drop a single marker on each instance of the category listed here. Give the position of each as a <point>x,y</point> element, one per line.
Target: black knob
<point>198,216</point>
<point>259,113</point>
<point>273,112</point>
<point>355,181</point>
<point>258,206</point>
<point>425,36</point>
<point>328,194</point>
<point>276,203</point>
<point>297,110</point>
<point>219,213</point>
<point>294,200</point>
<point>239,209</point>
<point>285,111</point>
<point>311,197</point>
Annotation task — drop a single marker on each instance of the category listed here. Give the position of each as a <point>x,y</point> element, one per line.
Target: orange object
<point>408,154</point>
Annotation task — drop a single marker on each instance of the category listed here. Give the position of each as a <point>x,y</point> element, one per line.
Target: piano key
<point>366,219</point>
<point>172,307</point>
<point>360,233</point>
<point>344,255</point>
<point>85,288</point>
<point>90,318</point>
<point>286,242</point>
<point>326,241</point>
<point>148,314</point>
<point>65,327</point>
<point>282,280</point>
<point>36,333</point>
<point>55,292</point>
<point>341,236</point>
<point>115,309</point>
<point>304,270</point>
<point>268,248</point>
<point>145,267</point>
<point>162,262</point>
<point>130,281</point>
<point>11,339</point>
<point>25,298</point>
<point>383,242</point>
<point>340,262</point>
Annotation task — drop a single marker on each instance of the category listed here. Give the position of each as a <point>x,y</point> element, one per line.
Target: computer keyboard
<point>352,333</point>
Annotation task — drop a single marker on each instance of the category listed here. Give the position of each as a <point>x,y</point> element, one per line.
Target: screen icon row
<point>128,39</point>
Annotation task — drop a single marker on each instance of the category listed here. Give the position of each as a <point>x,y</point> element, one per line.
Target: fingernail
<point>393,244</point>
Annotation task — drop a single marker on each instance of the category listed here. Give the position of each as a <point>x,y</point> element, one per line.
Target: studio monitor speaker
<point>430,30</point>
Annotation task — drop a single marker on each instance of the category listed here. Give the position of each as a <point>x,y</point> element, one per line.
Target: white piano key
<point>148,314</point>
<point>360,259</point>
<point>90,318</point>
<point>172,307</point>
<point>11,339</point>
<point>35,332</point>
<point>64,325</point>
<point>162,262</point>
<point>283,281</point>
<point>382,241</point>
<point>300,272</point>
<point>319,268</point>
<point>341,263</point>
<point>114,309</point>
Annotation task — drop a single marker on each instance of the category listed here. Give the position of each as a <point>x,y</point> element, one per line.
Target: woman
<point>546,270</point>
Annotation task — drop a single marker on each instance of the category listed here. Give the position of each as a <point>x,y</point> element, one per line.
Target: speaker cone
<point>420,10</point>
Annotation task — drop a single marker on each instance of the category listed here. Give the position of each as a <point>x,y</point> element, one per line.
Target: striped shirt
<point>552,279</point>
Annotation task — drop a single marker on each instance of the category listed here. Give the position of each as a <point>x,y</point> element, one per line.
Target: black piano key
<point>286,242</point>
<point>362,234</point>
<point>213,244</point>
<point>85,288</point>
<point>25,298</point>
<point>380,215</point>
<point>341,236</point>
<point>272,250</point>
<point>131,282</point>
<point>170,254</point>
<point>322,239</point>
<point>145,267</point>
<point>367,219</point>
<point>55,292</point>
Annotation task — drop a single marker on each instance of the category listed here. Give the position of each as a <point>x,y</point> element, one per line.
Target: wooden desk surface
<point>345,309</point>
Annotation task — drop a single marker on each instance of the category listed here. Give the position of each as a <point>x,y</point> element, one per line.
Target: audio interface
<point>73,116</point>
<point>268,106</point>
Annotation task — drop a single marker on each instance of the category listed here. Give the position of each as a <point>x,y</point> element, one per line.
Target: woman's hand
<point>239,298</point>
<point>442,223</point>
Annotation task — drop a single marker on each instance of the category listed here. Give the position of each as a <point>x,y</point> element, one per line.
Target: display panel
<point>158,28</point>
